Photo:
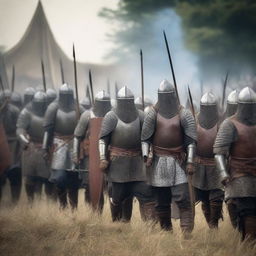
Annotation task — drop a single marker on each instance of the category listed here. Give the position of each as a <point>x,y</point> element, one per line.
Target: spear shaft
<point>142,79</point>
<point>76,86</point>
<point>62,72</point>
<point>171,65</point>
<point>43,75</point>
<point>13,78</point>
<point>91,86</point>
<point>224,90</point>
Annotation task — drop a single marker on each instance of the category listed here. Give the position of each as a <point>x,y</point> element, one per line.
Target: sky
<point>71,21</point>
<point>78,21</point>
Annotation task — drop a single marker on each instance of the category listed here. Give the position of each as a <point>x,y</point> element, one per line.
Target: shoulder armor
<point>82,124</point>
<point>188,123</point>
<point>148,127</point>
<point>24,119</point>
<point>50,114</point>
<point>225,136</point>
<point>108,124</point>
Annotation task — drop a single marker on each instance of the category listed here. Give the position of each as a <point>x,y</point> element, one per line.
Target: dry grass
<point>44,230</point>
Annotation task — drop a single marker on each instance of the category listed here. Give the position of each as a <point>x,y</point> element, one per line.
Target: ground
<point>45,230</point>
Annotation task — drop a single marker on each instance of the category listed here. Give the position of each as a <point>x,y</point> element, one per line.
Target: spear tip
<point>74,53</point>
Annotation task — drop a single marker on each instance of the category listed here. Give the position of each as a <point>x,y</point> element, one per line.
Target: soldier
<point>51,95</point>
<point>30,132</point>
<point>208,187</point>
<point>230,111</point>
<point>170,130</point>
<point>236,142</point>
<point>16,100</point>
<point>86,129</point>
<point>28,95</point>
<point>85,103</point>
<point>231,103</point>
<point>9,116</point>
<point>147,103</point>
<point>120,155</point>
<point>59,123</point>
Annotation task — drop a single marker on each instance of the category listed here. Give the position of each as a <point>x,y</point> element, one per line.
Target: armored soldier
<point>235,143</point>
<point>147,103</point>
<point>28,95</point>
<point>59,123</point>
<point>86,134</point>
<point>231,103</point>
<point>170,131</point>
<point>30,132</point>
<point>9,117</point>
<point>230,111</point>
<point>120,155</point>
<point>85,103</point>
<point>16,100</point>
<point>208,187</point>
<point>51,95</point>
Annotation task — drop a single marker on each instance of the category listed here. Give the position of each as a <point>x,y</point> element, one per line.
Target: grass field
<point>45,230</point>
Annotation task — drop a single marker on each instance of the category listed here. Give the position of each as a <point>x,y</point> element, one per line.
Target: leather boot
<point>147,211</point>
<point>186,221</point>
<point>62,196</point>
<point>216,213</point>
<point>73,197</point>
<point>249,228</point>
<point>164,217</point>
<point>206,211</point>
<point>127,206</point>
<point>232,214</point>
<point>30,191</point>
<point>116,211</point>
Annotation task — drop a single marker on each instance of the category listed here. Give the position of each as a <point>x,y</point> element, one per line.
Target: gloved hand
<point>104,164</point>
<point>190,169</point>
<point>225,181</point>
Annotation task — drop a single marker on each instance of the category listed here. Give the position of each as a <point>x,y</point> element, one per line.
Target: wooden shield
<point>96,176</point>
<point>5,154</point>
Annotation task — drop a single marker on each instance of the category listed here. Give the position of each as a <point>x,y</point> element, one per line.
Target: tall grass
<point>45,230</point>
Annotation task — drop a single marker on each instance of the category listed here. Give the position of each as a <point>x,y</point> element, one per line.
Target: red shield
<point>5,154</point>
<point>96,176</point>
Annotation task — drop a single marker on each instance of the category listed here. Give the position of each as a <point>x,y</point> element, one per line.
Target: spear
<point>224,90</point>
<point>191,102</point>
<point>43,75</point>
<point>76,86</point>
<point>91,86</point>
<point>190,186</point>
<point>1,84</point>
<point>87,94</point>
<point>116,89</point>
<point>142,79</point>
<point>62,72</point>
<point>171,65</point>
<point>13,78</point>
<point>108,86</point>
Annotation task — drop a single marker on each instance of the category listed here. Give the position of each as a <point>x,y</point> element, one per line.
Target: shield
<point>96,176</point>
<point>5,154</point>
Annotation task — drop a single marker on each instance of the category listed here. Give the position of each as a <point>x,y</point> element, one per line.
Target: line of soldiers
<point>156,155</point>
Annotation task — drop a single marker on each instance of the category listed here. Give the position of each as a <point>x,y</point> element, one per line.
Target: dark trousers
<point>121,203</point>
<point>180,195</point>
<point>34,186</point>
<point>212,201</point>
<point>67,183</point>
<point>138,189</point>
<point>15,179</point>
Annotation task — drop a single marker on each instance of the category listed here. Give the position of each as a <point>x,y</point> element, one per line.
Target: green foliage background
<point>221,32</point>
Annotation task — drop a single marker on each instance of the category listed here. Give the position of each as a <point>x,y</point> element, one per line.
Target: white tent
<point>38,43</point>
